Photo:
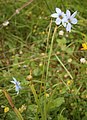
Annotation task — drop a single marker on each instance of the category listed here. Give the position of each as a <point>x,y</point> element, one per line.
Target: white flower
<point>70,20</point>
<point>61,32</point>
<point>69,60</point>
<point>5,23</point>
<point>17,85</point>
<point>59,15</point>
<point>66,19</point>
<point>83,60</point>
<point>17,11</point>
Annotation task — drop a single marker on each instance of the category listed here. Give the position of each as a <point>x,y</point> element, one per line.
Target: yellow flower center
<point>60,16</point>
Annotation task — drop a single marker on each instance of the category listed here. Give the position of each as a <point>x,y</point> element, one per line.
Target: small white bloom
<point>59,15</point>
<point>69,60</point>
<point>61,32</point>
<point>5,23</point>
<point>83,60</point>
<point>17,11</point>
<point>70,20</point>
<point>17,85</point>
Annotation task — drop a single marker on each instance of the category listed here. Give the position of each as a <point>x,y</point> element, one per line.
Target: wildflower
<point>70,20</point>
<point>69,60</point>
<point>66,75</point>
<point>61,32</point>
<point>69,82</point>
<point>20,52</point>
<point>83,60</point>
<point>17,85</point>
<point>42,54</point>
<point>59,15</point>
<point>5,23</point>
<point>6,109</point>
<point>84,45</point>
<point>17,11</point>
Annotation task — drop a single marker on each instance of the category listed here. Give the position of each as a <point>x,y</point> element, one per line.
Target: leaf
<point>37,72</point>
<point>56,103</point>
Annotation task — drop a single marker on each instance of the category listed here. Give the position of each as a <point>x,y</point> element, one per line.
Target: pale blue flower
<point>17,85</point>
<point>70,20</point>
<point>59,15</point>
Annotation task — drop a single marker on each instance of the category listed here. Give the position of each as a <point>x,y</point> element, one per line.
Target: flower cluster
<point>66,19</point>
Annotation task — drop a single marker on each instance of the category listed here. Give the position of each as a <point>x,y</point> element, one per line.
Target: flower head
<point>70,20</point>
<point>5,23</point>
<point>6,109</point>
<point>17,85</point>
<point>69,82</point>
<point>84,46</point>
<point>61,32</point>
<point>66,19</point>
<point>82,60</point>
<point>59,15</point>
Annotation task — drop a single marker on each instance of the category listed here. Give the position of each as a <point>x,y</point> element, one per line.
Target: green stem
<point>12,105</point>
<point>64,67</point>
<point>50,52</point>
<point>36,99</point>
<point>45,108</point>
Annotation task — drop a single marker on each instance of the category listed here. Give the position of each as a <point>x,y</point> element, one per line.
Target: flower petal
<point>68,13</point>
<point>55,15</point>
<point>64,24</point>
<point>13,82</point>
<point>17,88</point>
<point>73,15</point>
<point>74,21</point>
<point>68,27</point>
<point>18,83</point>
<point>64,21</point>
<point>58,10</point>
<point>58,21</point>
<point>63,14</point>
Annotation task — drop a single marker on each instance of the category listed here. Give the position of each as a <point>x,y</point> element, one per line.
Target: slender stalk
<point>36,99</point>
<point>50,52</point>
<point>17,11</point>
<point>12,105</point>
<point>49,34</point>
<point>64,67</point>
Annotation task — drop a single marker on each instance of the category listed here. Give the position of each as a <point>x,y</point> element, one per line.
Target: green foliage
<point>55,103</point>
<point>48,66</point>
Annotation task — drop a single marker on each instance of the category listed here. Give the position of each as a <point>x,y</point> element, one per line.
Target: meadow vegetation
<point>49,62</point>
